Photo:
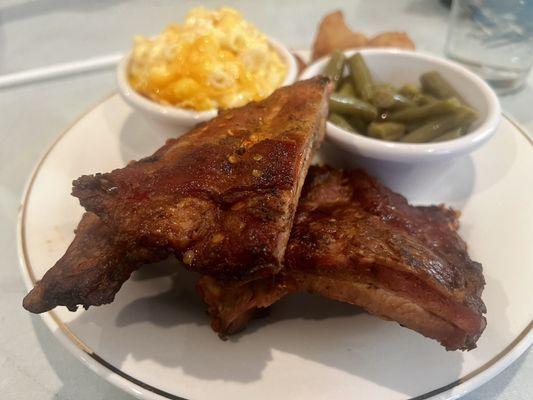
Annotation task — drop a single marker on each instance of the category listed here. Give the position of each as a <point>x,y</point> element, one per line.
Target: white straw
<point>58,70</point>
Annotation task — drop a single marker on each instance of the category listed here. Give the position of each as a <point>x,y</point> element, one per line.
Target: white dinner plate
<point>154,340</point>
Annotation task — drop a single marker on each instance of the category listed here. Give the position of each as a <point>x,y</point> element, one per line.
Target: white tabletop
<point>38,33</point>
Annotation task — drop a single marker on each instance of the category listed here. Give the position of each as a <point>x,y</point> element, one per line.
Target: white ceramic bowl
<point>182,117</point>
<point>400,67</point>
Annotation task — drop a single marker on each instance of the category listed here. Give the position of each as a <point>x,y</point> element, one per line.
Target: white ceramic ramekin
<point>400,67</point>
<point>181,117</point>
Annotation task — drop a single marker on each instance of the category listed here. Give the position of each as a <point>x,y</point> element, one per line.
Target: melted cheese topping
<point>216,59</point>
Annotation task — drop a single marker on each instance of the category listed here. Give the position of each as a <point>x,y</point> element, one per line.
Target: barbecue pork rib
<point>223,193</point>
<point>92,270</point>
<point>356,241</point>
<point>222,197</point>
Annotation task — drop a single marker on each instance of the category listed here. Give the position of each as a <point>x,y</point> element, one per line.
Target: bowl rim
<point>138,101</point>
<point>397,151</point>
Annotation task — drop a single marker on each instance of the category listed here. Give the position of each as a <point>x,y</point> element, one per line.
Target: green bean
<point>386,130</point>
<point>385,86</point>
<point>439,126</point>
<point>424,99</point>
<point>409,90</point>
<point>335,67</point>
<point>417,113</point>
<point>433,111</point>
<point>417,124</point>
<point>359,125</point>
<point>451,134</point>
<point>341,122</point>
<point>386,98</point>
<point>361,78</point>
<point>344,80</point>
<point>435,84</point>
<point>346,89</point>
<point>352,106</point>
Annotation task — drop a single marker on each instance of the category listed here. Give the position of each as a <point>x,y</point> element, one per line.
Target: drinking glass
<point>494,38</point>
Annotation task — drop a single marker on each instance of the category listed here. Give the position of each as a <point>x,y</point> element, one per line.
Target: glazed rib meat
<point>91,272</point>
<point>223,196</point>
<point>355,241</point>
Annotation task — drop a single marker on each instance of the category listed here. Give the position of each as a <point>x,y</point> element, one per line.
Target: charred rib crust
<point>223,196</point>
<point>356,241</point>
<point>92,270</point>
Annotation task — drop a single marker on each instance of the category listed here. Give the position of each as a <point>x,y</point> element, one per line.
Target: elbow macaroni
<point>216,59</point>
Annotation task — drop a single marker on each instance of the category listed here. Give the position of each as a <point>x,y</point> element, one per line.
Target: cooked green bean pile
<point>432,112</point>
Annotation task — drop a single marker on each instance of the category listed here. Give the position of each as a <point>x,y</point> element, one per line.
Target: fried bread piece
<point>334,34</point>
<point>92,270</point>
<point>356,241</point>
<point>223,196</point>
<point>399,40</point>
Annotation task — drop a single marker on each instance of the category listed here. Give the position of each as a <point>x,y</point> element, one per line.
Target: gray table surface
<point>36,33</point>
